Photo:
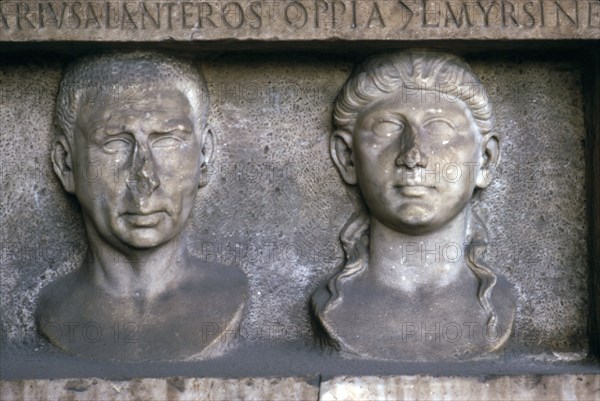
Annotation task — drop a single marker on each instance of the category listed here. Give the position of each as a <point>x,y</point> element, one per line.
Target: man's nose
<point>411,151</point>
<point>143,180</point>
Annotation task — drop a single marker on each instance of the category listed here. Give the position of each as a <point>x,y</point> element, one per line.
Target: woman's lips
<point>413,190</point>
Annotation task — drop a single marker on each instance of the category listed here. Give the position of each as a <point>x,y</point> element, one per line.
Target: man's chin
<point>143,238</point>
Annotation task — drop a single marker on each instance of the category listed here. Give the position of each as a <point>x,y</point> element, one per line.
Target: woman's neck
<point>408,262</point>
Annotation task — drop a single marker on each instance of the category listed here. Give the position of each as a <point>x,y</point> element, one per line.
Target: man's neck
<point>139,273</point>
<point>409,262</point>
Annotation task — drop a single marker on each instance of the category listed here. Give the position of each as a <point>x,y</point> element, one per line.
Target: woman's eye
<point>440,128</point>
<point>117,145</point>
<point>166,142</point>
<point>387,129</point>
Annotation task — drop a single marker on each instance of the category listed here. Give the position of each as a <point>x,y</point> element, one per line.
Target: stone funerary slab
<point>298,188</point>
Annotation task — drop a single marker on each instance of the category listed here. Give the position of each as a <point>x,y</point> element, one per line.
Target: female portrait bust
<point>414,142</point>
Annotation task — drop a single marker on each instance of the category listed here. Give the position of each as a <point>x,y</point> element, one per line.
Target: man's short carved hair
<point>121,74</point>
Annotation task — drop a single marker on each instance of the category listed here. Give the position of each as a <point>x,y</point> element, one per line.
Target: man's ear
<point>490,156</point>
<point>340,146</point>
<point>63,164</point>
<point>206,154</point>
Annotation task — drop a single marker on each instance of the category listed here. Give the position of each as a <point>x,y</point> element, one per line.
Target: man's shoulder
<point>59,301</point>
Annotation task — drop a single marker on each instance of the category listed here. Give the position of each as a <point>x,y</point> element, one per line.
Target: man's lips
<point>146,220</point>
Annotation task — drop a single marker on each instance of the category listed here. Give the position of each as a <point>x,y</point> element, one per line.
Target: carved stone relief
<point>272,203</point>
<point>157,143</point>
<point>400,120</point>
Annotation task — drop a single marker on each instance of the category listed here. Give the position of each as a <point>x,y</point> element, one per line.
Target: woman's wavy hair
<point>409,71</point>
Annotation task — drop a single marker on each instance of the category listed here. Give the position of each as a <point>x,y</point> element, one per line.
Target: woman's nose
<point>411,153</point>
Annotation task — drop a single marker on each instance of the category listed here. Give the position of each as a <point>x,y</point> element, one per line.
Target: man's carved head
<point>132,142</point>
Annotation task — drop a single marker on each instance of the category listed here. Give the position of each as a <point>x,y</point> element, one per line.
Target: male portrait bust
<point>414,142</point>
<point>139,120</point>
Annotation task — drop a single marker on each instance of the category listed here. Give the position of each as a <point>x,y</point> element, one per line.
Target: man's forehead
<point>156,105</point>
<point>135,98</point>
<point>130,91</point>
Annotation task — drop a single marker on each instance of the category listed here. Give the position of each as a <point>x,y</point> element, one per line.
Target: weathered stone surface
<point>276,20</point>
<point>174,388</point>
<point>566,387</point>
<point>277,204</point>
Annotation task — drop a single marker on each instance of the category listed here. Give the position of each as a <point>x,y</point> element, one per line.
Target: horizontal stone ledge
<point>173,388</point>
<point>526,387</point>
<point>498,388</point>
<point>274,20</point>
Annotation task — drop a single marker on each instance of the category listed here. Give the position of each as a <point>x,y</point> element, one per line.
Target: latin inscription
<point>206,17</point>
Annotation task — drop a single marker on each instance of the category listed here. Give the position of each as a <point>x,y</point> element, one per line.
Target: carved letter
<point>334,18</point>
<point>91,16</point>
<point>375,16</point>
<point>170,15</point>
<point>297,18</point>
<point>319,4</point>
<point>55,19</point>
<point>108,16</point>
<point>3,18</point>
<point>75,16</point>
<point>574,21</point>
<point>529,10</point>
<point>127,15</point>
<point>256,14</point>
<point>146,13</point>
<point>22,11</point>
<point>486,13</point>
<point>435,14</point>
<point>590,14</point>
<point>185,14</point>
<point>408,9</point>
<point>458,21</point>
<point>40,14</point>
<point>509,13</point>
<point>236,12</point>
<point>205,16</point>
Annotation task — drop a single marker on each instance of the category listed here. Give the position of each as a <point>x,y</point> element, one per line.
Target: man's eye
<point>117,145</point>
<point>387,128</point>
<point>166,142</point>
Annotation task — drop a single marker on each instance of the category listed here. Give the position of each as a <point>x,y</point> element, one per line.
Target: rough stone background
<point>275,205</point>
